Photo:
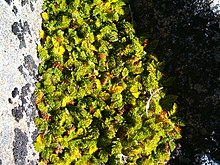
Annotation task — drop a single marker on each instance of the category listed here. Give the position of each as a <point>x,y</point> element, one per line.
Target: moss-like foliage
<point>99,95</point>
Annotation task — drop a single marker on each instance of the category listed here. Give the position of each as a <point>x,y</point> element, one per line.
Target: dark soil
<point>189,42</point>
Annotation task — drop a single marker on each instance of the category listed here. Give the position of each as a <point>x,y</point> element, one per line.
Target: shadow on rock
<point>189,42</point>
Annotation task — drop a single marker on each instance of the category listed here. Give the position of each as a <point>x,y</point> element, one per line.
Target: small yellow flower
<point>39,139</point>
<point>61,50</point>
<point>42,34</point>
<point>136,94</point>
<point>45,16</point>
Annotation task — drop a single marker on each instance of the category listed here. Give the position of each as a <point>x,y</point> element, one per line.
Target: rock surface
<point>20,22</point>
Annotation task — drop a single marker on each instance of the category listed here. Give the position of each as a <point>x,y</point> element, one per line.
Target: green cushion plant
<point>99,94</point>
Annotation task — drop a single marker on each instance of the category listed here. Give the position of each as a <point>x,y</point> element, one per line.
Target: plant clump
<point>99,94</point>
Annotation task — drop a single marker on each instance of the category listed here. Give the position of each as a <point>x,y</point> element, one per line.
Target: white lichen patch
<point>215,5</point>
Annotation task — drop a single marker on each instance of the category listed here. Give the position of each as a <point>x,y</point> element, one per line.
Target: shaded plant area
<point>189,42</point>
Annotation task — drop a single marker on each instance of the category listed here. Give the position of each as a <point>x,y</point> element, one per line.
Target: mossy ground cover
<point>99,96</point>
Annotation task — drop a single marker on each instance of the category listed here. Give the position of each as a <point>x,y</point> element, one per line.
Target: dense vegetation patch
<point>99,97</point>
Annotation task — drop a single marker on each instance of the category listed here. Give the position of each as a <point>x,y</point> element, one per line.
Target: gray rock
<point>20,22</point>
<point>206,159</point>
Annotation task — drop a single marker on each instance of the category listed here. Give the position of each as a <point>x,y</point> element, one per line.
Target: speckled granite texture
<point>20,22</point>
